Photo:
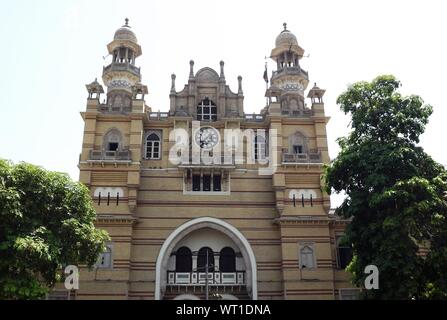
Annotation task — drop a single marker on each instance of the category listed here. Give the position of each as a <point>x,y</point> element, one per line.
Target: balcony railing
<point>109,108</point>
<point>311,157</point>
<point>100,155</point>
<point>298,113</point>
<point>122,67</point>
<point>291,70</point>
<point>222,160</point>
<point>199,278</point>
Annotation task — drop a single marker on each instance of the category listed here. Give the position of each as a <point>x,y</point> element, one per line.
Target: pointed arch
<point>113,140</point>
<point>298,143</point>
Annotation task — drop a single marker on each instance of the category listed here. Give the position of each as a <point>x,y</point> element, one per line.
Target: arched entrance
<point>211,223</point>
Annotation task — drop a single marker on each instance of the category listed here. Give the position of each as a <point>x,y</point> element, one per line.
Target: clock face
<point>207,138</point>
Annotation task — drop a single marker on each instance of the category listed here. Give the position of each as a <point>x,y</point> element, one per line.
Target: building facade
<point>206,191</point>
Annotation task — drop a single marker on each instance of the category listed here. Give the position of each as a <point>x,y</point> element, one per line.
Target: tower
<point>111,153</point>
<point>289,81</point>
<point>122,77</point>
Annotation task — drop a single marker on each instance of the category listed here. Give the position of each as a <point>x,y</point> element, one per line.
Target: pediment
<point>207,75</point>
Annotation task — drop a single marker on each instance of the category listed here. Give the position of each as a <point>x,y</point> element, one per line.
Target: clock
<point>207,138</point>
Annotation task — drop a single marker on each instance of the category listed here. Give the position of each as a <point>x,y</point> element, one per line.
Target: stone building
<point>257,225</point>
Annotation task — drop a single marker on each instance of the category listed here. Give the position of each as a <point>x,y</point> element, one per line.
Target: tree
<point>395,192</point>
<point>46,222</point>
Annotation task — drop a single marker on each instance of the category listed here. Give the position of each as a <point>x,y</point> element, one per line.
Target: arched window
<point>260,148</point>
<point>183,260</point>
<point>227,261</point>
<point>153,146</point>
<point>344,252</point>
<point>307,257</point>
<point>207,110</point>
<point>113,140</point>
<point>202,258</point>
<point>297,143</point>
<point>105,258</point>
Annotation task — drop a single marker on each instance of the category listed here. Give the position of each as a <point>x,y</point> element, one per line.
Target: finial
<point>285,26</point>
<point>173,83</point>
<point>127,22</point>
<point>191,69</point>
<point>222,73</point>
<point>240,91</point>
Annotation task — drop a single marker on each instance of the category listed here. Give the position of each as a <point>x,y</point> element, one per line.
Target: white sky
<point>51,49</point>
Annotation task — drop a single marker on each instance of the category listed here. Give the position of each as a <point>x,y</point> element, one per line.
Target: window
<point>183,260</point>
<point>112,140</point>
<point>298,143</point>
<point>196,183</point>
<point>227,261</point>
<point>344,253</point>
<point>217,181</point>
<point>298,149</point>
<point>206,183</point>
<point>204,255</point>
<point>307,260</point>
<point>260,151</point>
<point>207,110</point>
<point>153,146</point>
<point>105,259</point>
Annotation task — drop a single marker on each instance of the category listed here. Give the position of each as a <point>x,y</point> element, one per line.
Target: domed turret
<point>125,33</point>
<point>289,81</point>
<point>122,77</point>
<point>286,38</point>
<point>286,43</point>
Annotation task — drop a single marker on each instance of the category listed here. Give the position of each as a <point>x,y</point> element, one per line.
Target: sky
<point>51,49</point>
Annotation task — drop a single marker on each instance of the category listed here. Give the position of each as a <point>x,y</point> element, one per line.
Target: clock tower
<point>242,214</point>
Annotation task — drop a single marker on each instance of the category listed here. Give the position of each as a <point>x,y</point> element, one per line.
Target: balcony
<point>199,278</point>
<point>312,157</point>
<point>122,67</point>
<point>306,113</point>
<point>200,160</point>
<point>105,108</point>
<point>112,156</point>
<point>290,71</point>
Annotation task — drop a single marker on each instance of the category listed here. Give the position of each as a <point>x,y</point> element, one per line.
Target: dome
<point>125,33</point>
<point>286,38</point>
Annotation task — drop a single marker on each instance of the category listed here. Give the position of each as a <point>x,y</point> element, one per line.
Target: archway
<point>196,224</point>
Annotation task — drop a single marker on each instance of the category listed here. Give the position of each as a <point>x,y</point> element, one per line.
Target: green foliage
<point>46,222</point>
<point>396,193</point>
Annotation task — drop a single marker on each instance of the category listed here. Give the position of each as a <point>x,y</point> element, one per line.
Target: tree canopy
<point>396,193</point>
<point>46,222</point>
